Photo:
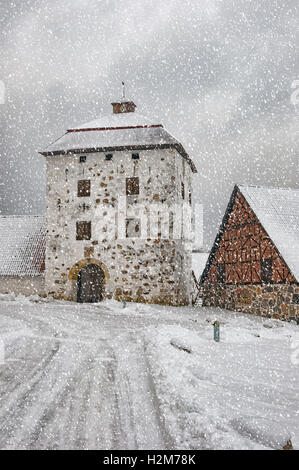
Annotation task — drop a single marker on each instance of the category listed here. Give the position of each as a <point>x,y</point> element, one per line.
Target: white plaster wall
<point>27,285</point>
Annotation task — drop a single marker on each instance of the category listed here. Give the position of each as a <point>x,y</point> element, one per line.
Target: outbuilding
<point>22,254</point>
<point>253,265</point>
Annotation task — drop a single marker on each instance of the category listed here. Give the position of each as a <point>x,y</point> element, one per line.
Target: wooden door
<point>90,284</point>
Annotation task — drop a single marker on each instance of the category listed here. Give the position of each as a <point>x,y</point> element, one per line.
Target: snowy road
<point>79,376</point>
<point>75,376</point>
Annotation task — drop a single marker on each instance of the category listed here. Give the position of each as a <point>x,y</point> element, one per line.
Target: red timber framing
<point>243,253</point>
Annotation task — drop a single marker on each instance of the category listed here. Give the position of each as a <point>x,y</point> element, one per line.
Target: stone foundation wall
<point>274,300</point>
<point>28,285</point>
<point>150,272</point>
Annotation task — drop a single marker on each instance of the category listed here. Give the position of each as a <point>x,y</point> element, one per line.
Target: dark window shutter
<point>266,270</point>
<point>132,186</point>
<point>221,273</point>
<point>83,230</point>
<point>83,188</point>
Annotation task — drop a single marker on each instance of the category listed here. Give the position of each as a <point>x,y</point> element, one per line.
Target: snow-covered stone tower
<point>119,195</point>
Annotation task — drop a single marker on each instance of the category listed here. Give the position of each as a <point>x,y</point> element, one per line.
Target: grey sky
<point>217,74</point>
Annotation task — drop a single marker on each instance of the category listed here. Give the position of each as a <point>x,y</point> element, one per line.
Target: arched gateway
<point>90,284</point>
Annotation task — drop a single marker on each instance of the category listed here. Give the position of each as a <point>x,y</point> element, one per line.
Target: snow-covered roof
<point>94,139</point>
<point>278,211</point>
<point>120,131</point>
<point>199,261</point>
<point>119,120</point>
<point>22,245</point>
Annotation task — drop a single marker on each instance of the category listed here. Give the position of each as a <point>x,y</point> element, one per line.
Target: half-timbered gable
<point>245,254</point>
<point>257,245</point>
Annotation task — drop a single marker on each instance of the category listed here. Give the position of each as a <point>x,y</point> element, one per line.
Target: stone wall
<point>152,268</point>
<point>27,285</point>
<point>274,300</point>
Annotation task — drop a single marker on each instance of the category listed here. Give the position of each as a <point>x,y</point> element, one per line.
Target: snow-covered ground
<point>107,377</point>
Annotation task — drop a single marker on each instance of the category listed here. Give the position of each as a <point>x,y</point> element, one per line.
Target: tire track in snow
<point>94,392</point>
<point>140,427</point>
<point>65,407</point>
<point>14,400</point>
